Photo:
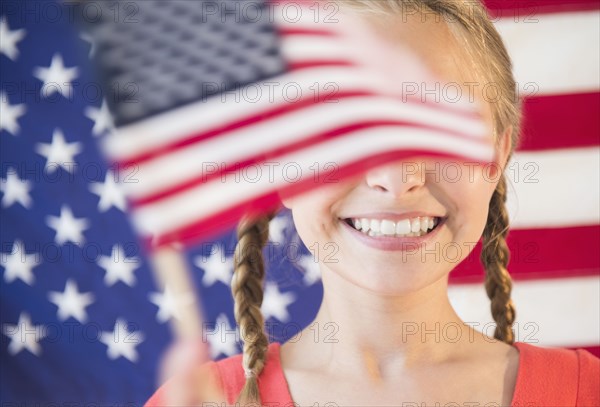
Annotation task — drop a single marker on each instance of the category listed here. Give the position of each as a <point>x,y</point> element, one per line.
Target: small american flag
<point>220,106</point>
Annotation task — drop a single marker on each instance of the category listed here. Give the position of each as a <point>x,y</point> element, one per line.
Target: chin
<point>393,290</point>
<point>403,280</point>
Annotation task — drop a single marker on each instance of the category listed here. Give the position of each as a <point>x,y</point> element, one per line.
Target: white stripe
<point>554,188</point>
<point>199,117</point>
<point>235,146</point>
<point>298,48</point>
<point>295,15</point>
<point>556,312</point>
<point>220,110</point>
<point>555,53</point>
<point>197,203</point>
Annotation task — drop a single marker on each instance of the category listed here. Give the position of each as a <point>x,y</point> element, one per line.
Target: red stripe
<point>525,11</point>
<point>296,66</point>
<point>286,30</point>
<point>276,111</point>
<point>274,154</point>
<point>212,227</point>
<point>279,110</point>
<point>541,253</point>
<point>561,121</point>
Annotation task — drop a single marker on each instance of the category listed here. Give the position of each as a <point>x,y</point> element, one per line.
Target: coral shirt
<point>546,377</point>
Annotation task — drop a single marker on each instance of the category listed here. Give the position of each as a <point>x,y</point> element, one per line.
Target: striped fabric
<point>330,114</point>
<point>82,318</point>
<point>554,192</point>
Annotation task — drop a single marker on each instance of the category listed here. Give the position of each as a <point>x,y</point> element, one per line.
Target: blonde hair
<point>491,58</point>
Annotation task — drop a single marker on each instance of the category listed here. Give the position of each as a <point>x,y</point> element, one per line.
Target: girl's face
<point>456,194</point>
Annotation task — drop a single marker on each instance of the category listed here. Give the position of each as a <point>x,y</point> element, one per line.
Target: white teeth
<point>415,225</point>
<point>388,227</point>
<point>365,224</point>
<point>375,225</point>
<point>424,224</point>
<point>406,227</point>
<point>403,227</point>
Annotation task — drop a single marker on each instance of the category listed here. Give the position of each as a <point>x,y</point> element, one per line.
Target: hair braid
<point>495,256</point>
<point>247,290</point>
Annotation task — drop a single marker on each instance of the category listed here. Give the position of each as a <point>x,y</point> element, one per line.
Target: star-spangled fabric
<point>75,286</point>
<point>82,320</point>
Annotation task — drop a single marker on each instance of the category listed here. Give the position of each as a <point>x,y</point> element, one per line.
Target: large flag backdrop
<point>82,318</point>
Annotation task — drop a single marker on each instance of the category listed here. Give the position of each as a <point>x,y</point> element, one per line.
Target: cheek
<point>307,228</point>
<point>315,219</point>
<point>471,196</point>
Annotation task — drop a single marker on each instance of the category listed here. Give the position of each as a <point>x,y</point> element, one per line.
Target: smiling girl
<point>387,290</point>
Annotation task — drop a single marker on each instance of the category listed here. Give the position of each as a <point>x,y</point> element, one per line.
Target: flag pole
<point>189,352</point>
<point>171,270</point>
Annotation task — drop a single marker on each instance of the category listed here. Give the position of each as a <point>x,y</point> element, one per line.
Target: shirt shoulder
<point>273,387</point>
<point>588,392</point>
<point>223,381</point>
<point>555,376</point>
<point>231,376</point>
<point>193,387</point>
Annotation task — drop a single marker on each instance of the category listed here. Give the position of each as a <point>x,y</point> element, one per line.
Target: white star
<point>9,39</point>
<point>88,38</point>
<point>223,340</point>
<point>122,342</point>
<point>59,153</point>
<point>56,78</point>
<point>101,118</point>
<point>118,267</point>
<point>312,272</point>
<point>170,305</point>
<point>275,303</point>
<point>18,264</point>
<point>67,227</point>
<point>71,303</point>
<point>276,229</point>
<point>15,189</point>
<point>10,115</point>
<point>109,192</point>
<point>24,335</point>
<point>217,267</point>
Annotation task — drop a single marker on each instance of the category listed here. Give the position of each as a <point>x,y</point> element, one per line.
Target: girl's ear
<point>504,147</point>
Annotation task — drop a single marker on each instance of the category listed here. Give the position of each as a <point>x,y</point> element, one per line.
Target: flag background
<point>80,356</point>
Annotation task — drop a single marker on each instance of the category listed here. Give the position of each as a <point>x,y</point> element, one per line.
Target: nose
<point>397,178</point>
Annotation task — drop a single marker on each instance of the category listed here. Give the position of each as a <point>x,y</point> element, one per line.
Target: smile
<point>399,235</point>
<point>417,226</point>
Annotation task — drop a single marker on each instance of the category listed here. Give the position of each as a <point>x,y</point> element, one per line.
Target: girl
<point>387,296</point>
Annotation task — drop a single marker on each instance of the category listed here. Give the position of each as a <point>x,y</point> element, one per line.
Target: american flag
<point>82,318</point>
<point>255,99</point>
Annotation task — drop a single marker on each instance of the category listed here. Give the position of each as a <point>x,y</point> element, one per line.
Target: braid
<point>495,256</point>
<point>247,290</point>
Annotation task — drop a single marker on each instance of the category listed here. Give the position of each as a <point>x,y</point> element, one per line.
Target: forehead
<point>440,44</point>
<point>433,38</point>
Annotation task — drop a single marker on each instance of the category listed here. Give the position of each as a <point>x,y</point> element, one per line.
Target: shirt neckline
<point>521,347</point>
